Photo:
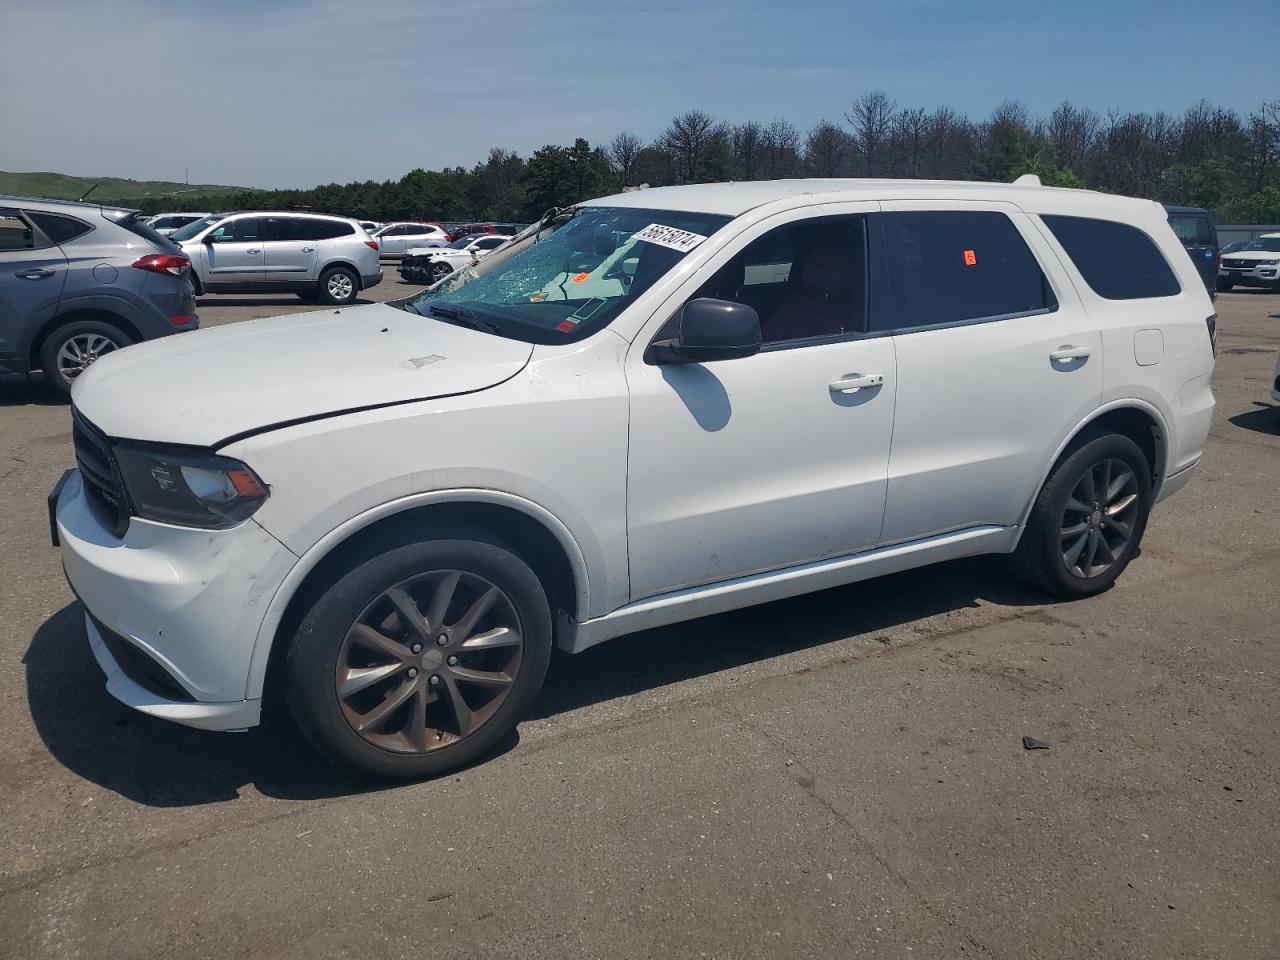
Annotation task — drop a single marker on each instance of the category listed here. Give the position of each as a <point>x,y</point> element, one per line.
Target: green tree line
<point>1208,156</point>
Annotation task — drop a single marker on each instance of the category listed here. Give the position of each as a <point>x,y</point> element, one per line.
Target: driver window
<point>805,280</point>
<point>244,230</point>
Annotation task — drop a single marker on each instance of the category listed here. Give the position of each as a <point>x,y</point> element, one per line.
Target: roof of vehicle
<point>286,213</point>
<point>79,204</point>
<point>734,199</point>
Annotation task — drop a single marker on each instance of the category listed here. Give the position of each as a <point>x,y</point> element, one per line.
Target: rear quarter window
<point>1117,261</point>
<point>57,228</point>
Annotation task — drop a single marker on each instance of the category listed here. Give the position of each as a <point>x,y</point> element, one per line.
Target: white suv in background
<point>684,401</point>
<point>166,223</point>
<point>395,238</point>
<point>330,259</point>
<point>1256,264</point>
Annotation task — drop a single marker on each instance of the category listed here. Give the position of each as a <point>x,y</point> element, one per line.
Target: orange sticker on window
<point>581,277</point>
<point>970,258</point>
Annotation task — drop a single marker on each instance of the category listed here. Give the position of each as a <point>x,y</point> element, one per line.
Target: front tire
<point>71,349</point>
<point>1088,521</point>
<point>1224,286</point>
<point>439,271</point>
<point>338,286</point>
<point>420,660</point>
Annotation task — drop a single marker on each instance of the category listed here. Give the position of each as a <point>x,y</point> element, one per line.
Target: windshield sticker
<point>582,278</point>
<point>970,258</point>
<point>664,236</point>
<point>565,326</point>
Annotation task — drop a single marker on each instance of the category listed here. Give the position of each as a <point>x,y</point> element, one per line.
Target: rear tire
<point>1087,523</point>
<point>71,349</point>
<point>338,286</point>
<point>393,675</point>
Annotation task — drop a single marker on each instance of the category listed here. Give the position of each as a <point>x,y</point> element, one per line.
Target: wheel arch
<point>342,263</point>
<point>533,532</point>
<point>99,314</point>
<point>1136,419</point>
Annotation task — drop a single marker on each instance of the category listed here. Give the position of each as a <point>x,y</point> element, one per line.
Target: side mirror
<point>711,330</point>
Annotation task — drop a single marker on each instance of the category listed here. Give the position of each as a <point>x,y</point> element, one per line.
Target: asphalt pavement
<point>838,775</point>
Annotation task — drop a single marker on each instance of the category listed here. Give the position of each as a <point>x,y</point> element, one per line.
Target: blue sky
<point>294,93</point>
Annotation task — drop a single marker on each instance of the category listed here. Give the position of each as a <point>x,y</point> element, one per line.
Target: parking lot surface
<point>839,775</point>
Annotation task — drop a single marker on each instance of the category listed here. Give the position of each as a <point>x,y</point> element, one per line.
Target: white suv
<point>330,259</point>
<point>683,401</point>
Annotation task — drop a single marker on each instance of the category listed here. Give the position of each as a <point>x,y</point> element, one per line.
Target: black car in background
<point>1198,232</point>
<point>78,280</point>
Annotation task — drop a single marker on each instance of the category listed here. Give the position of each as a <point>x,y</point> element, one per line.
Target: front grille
<point>103,486</point>
<point>1236,264</point>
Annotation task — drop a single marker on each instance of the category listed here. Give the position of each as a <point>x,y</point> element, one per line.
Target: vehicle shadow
<point>1265,419</point>
<point>29,390</point>
<point>161,764</point>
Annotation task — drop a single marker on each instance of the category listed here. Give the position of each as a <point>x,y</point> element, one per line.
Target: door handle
<point>308,249</point>
<point>1069,352</point>
<point>35,274</point>
<point>253,250</point>
<point>855,382</point>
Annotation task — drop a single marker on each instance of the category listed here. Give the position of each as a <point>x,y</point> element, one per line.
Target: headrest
<point>826,268</point>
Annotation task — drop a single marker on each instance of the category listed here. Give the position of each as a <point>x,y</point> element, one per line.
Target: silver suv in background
<point>79,280</point>
<point>330,259</point>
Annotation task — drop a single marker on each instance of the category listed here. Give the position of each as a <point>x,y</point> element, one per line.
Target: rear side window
<point>1193,231</point>
<point>15,233</point>
<point>329,229</point>
<point>57,228</point>
<point>1119,262</point>
<point>949,266</point>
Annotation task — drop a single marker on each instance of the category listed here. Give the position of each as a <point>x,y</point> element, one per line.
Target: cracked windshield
<point>577,279</point>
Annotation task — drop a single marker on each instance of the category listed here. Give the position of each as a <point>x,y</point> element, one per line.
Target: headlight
<point>1269,263</point>
<point>190,488</point>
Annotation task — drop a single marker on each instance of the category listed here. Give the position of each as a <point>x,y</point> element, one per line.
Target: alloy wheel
<point>340,286</point>
<point>429,661</point>
<point>439,272</point>
<point>1100,518</point>
<point>79,352</point>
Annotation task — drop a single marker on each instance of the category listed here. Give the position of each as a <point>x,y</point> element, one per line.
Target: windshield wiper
<point>463,318</point>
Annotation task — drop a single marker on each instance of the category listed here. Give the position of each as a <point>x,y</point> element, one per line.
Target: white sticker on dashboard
<point>681,240</point>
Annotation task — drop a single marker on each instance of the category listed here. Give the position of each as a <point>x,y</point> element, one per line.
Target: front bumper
<point>188,602</point>
<point>1251,277</point>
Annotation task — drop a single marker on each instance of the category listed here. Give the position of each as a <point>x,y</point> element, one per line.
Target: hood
<point>204,387</point>
<point>1252,255</point>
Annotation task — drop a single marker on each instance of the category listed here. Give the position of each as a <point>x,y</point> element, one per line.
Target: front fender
<point>289,586</point>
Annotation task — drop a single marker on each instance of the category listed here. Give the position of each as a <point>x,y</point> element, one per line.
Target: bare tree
<point>686,141</point>
<point>1073,134</point>
<point>870,119</point>
<point>746,140</point>
<point>622,151</point>
<point>908,145</point>
<point>828,151</point>
<point>780,150</point>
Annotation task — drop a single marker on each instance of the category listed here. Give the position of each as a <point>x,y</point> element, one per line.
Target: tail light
<point>163,263</point>
<point>371,244</point>
<point>1211,321</point>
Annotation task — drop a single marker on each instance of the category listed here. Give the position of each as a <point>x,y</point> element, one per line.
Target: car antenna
<point>90,190</point>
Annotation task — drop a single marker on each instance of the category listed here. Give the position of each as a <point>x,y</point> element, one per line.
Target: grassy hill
<point>60,186</point>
